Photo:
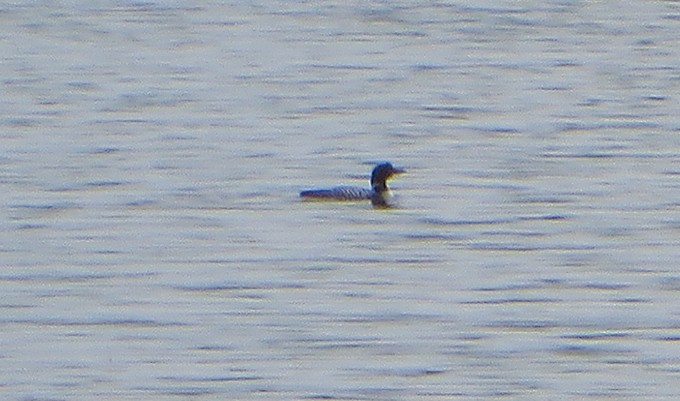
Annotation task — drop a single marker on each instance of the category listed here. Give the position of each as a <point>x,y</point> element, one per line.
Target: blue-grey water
<point>153,245</point>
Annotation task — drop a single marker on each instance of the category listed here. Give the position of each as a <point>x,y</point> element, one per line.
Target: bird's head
<point>383,172</point>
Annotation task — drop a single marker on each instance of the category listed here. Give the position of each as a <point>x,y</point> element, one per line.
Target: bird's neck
<point>381,197</point>
<point>380,187</point>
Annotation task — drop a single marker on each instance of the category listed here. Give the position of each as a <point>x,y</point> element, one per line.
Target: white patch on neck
<point>387,195</point>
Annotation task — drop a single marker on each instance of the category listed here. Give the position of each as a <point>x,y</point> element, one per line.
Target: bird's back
<point>339,193</point>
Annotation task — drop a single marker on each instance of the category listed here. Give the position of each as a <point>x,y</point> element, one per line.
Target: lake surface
<point>154,246</point>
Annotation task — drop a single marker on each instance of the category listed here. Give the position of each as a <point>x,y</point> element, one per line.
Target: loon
<point>379,194</point>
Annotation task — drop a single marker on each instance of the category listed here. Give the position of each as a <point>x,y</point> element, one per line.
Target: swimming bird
<point>379,194</point>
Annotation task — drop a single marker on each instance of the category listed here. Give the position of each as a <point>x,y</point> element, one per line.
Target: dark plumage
<point>378,194</point>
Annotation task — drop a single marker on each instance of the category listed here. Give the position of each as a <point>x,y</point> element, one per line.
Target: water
<point>154,246</point>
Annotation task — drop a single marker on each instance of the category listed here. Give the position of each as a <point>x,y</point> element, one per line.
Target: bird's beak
<point>396,170</point>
